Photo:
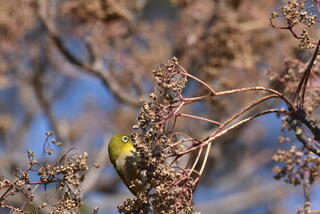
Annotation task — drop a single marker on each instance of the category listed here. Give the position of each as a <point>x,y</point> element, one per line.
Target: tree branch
<point>94,69</point>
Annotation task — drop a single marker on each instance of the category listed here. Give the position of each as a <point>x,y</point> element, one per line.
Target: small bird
<point>125,159</point>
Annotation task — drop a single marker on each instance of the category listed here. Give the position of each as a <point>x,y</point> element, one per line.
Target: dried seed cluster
<point>298,12</point>
<point>305,41</point>
<point>294,12</point>
<point>66,206</point>
<point>297,166</point>
<point>138,205</point>
<point>67,173</point>
<point>287,82</point>
<point>169,85</point>
<point>170,191</point>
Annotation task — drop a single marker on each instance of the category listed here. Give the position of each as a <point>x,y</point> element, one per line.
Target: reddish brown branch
<point>198,118</point>
<point>184,72</point>
<point>219,133</point>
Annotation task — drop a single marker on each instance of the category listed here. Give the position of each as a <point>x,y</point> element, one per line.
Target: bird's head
<point>119,144</point>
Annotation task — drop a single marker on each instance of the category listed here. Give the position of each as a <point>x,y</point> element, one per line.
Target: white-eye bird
<point>125,159</point>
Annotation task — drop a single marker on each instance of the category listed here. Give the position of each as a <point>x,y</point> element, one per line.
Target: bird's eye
<point>125,138</point>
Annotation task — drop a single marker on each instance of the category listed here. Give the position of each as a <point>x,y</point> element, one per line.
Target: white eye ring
<point>125,138</point>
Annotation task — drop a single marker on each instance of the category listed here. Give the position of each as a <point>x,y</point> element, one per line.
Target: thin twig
<point>241,112</point>
<point>198,118</point>
<point>184,72</point>
<point>223,132</point>
<point>196,160</point>
<point>205,158</point>
<point>269,111</point>
<point>258,88</point>
<point>301,90</point>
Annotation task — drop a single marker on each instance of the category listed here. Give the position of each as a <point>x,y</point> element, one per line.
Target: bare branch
<point>94,69</point>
